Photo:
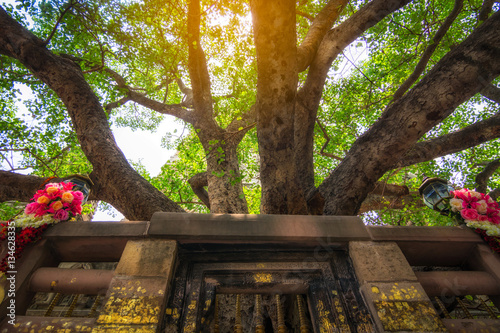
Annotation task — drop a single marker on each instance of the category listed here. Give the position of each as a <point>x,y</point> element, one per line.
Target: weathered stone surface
<point>134,301</point>
<point>472,325</point>
<point>408,316</point>
<point>27,324</point>
<point>401,307</point>
<point>258,228</point>
<point>402,291</point>
<point>152,257</point>
<point>125,329</point>
<point>379,262</point>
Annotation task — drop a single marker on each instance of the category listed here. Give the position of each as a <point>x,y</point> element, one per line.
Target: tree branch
<point>116,104</point>
<point>306,15</point>
<point>491,92</point>
<point>467,137</point>
<point>429,50</point>
<point>119,182</point>
<point>327,138</point>
<point>485,10</point>
<point>320,26</point>
<point>484,176</point>
<point>175,110</point>
<point>239,126</point>
<point>309,96</point>
<point>187,100</point>
<point>198,71</point>
<point>379,202</point>
<point>18,187</point>
<point>495,194</point>
<point>337,39</point>
<point>458,76</point>
<point>70,4</point>
<point>198,183</point>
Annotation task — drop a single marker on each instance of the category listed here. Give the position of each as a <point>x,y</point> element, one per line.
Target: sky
<point>145,147</point>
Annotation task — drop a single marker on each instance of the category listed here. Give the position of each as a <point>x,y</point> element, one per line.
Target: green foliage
<point>146,43</point>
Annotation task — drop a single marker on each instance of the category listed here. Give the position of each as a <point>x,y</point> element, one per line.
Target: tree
<point>273,88</point>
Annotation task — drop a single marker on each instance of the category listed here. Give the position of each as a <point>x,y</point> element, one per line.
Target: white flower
<point>30,220</point>
<point>475,194</point>
<point>481,208</point>
<point>456,204</point>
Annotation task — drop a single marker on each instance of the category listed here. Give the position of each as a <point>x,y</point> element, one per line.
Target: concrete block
<point>379,262</point>
<point>137,301</point>
<point>397,307</point>
<point>148,257</point>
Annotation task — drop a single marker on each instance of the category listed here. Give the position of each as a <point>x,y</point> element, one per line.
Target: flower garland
<point>57,202</point>
<point>479,212</point>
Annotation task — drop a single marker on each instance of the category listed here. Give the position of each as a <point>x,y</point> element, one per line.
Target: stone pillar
<point>136,298</point>
<point>391,290</point>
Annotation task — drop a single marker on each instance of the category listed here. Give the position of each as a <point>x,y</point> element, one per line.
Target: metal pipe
<point>71,281</point>
<point>458,283</point>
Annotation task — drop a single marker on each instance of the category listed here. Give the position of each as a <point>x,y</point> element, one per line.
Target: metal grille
<point>467,307</point>
<point>69,305</point>
<point>287,291</point>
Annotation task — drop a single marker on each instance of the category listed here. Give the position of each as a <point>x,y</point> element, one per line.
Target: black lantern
<point>436,194</point>
<point>82,184</point>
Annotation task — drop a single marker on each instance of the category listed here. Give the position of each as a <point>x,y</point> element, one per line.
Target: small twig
<point>69,6</point>
<point>327,138</point>
<point>429,50</point>
<point>306,15</point>
<point>246,128</point>
<point>359,70</point>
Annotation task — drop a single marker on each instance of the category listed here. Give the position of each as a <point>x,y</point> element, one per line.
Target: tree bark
<point>198,183</point>
<point>454,79</point>
<point>485,175</point>
<point>470,136</point>
<point>275,42</point>
<point>225,190</point>
<point>309,96</point>
<point>121,185</point>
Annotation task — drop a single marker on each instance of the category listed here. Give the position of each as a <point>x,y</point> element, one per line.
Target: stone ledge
<point>422,233</point>
<point>257,228</point>
<point>97,229</point>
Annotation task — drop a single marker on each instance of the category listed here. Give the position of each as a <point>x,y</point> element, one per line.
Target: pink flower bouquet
<point>479,212</point>
<point>55,203</point>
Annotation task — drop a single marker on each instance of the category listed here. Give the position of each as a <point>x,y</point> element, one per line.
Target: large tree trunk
<point>275,41</point>
<point>225,190</point>
<point>121,185</point>
<point>458,76</point>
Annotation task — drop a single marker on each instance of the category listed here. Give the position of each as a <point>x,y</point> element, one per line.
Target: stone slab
<point>133,301</point>
<point>97,229</point>
<point>380,262</point>
<point>257,228</point>
<point>397,291</point>
<point>151,257</point>
<point>401,307</point>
